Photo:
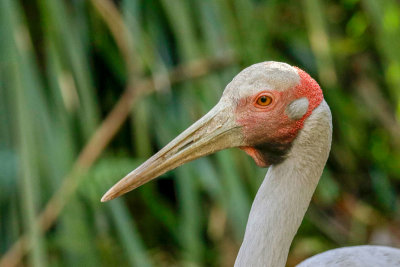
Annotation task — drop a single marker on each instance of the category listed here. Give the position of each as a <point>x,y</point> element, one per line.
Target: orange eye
<point>264,100</point>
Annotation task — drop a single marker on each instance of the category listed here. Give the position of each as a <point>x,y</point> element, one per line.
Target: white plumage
<point>359,256</point>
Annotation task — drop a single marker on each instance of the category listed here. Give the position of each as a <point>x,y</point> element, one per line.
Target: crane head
<point>261,111</point>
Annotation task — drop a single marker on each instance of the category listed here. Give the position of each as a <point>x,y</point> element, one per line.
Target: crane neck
<point>284,196</point>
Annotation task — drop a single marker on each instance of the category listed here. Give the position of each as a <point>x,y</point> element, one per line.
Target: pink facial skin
<point>270,124</point>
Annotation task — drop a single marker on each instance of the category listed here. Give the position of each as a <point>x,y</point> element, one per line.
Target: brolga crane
<point>277,114</point>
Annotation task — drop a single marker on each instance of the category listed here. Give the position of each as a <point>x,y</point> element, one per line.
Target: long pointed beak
<point>215,131</point>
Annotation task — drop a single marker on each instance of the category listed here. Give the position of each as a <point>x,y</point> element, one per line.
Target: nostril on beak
<point>185,146</point>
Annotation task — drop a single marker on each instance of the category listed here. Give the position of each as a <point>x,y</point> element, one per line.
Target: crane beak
<point>215,131</point>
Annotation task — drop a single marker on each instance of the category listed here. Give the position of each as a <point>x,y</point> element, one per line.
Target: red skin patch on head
<point>310,89</point>
<point>272,125</point>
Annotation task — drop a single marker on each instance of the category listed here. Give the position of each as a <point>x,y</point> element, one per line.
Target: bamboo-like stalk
<point>25,83</point>
<point>100,140</point>
<point>319,39</point>
<point>384,17</point>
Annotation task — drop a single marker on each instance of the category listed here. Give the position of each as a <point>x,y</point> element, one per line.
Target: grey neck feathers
<point>285,194</point>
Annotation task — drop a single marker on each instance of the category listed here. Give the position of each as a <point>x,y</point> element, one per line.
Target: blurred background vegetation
<point>90,89</point>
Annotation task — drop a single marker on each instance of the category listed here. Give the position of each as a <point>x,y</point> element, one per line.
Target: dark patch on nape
<point>273,152</point>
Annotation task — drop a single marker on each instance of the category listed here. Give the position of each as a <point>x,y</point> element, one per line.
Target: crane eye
<point>264,100</point>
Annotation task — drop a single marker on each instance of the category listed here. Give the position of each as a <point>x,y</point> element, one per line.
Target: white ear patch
<point>297,108</point>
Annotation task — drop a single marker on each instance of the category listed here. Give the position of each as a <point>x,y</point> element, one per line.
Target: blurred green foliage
<point>63,67</point>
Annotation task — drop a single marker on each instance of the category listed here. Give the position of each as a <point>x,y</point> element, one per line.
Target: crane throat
<point>267,154</point>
